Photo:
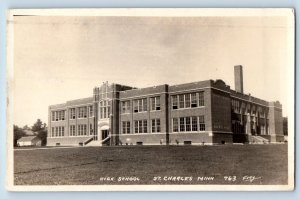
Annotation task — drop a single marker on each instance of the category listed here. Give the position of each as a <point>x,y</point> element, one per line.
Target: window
<point>145,126</point>
<point>72,113</point>
<point>155,125</point>
<point>82,129</point>
<point>56,131</point>
<point>72,130</point>
<point>174,102</point>
<point>62,115</point>
<point>194,124</point>
<point>82,112</point>
<point>91,111</point>
<point>201,99</point>
<point>136,126</point>
<point>182,125</point>
<point>62,131</point>
<point>140,126</point>
<point>140,105</point>
<point>53,115</point>
<point>135,106</point>
<point>104,109</point>
<point>187,124</point>
<point>52,132</point>
<point>201,123</point>
<point>126,127</point>
<point>91,129</point>
<point>187,100</point>
<point>125,107</point>
<point>145,105</point>
<point>175,124</point>
<point>155,103</point>
<point>193,100</point>
<point>181,101</point>
<point>58,115</point>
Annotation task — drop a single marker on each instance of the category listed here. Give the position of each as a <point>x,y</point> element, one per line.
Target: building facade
<point>200,113</point>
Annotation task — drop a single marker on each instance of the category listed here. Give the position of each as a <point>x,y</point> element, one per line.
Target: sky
<point>59,58</point>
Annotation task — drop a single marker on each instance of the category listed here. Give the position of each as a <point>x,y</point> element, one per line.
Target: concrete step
<point>95,143</point>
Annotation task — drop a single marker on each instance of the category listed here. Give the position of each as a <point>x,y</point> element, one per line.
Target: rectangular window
<point>56,131</point>
<point>155,103</point>
<point>181,125</point>
<point>91,129</point>
<point>157,125</point>
<point>145,105</point>
<point>123,127</point>
<point>140,105</point>
<point>84,129</point>
<point>91,111</point>
<point>126,127</point>
<point>201,99</point>
<point>52,132</point>
<point>187,124</point>
<point>136,127</point>
<point>82,112</point>
<point>153,126</point>
<point>181,101</point>
<point>140,126</point>
<point>135,106</point>
<point>145,126</point>
<point>187,100</point>
<point>175,124</point>
<point>62,115</point>
<point>72,130</point>
<point>125,107</point>
<point>72,113</point>
<point>62,131</point>
<point>193,100</point>
<point>53,115</point>
<point>174,102</point>
<point>201,123</point>
<point>194,124</point>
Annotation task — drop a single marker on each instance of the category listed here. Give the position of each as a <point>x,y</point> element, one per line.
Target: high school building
<point>205,112</point>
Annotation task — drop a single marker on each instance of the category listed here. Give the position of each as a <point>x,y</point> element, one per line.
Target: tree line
<point>38,128</point>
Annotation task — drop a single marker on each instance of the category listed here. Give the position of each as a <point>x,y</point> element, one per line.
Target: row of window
<point>140,105</point>
<point>58,115</point>
<point>237,105</point>
<point>82,113</point>
<point>184,124</point>
<point>58,131</point>
<point>190,100</point>
<point>141,126</point>
<point>81,130</point>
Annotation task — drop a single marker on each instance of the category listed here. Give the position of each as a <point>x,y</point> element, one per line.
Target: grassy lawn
<point>86,165</point>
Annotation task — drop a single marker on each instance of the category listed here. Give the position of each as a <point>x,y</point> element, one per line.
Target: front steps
<point>255,139</point>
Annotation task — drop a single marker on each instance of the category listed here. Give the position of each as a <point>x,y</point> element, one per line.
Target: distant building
<point>29,141</point>
<point>205,112</point>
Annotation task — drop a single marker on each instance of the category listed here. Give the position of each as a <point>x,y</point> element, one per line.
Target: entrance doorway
<point>104,134</point>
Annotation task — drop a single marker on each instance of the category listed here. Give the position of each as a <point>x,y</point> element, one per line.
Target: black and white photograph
<point>150,99</point>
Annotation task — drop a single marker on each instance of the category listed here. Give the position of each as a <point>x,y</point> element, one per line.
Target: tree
<point>41,129</point>
<point>18,133</point>
<point>37,126</point>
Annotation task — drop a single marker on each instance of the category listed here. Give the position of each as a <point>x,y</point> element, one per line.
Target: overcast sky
<point>62,58</point>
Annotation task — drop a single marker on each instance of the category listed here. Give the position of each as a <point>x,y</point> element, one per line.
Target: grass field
<point>86,165</point>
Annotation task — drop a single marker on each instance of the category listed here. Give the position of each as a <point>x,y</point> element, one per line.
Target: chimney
<point>238,78</point>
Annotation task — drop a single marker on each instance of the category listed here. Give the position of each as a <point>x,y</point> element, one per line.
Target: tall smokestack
<point>238,78</point>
